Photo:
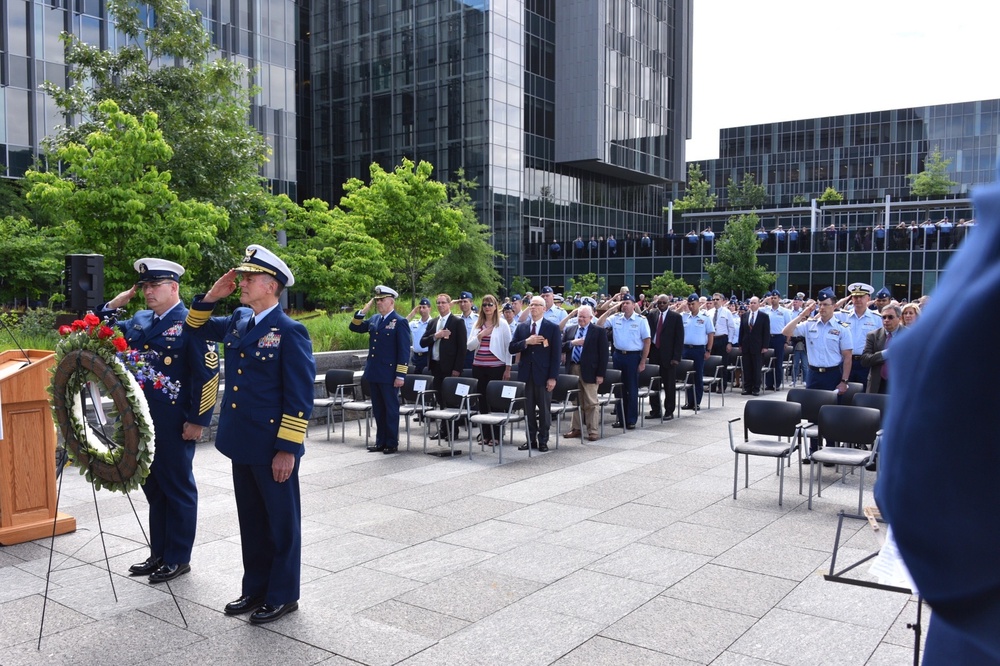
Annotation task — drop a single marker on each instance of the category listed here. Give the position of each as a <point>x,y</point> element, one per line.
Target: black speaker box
<point>84,281</point>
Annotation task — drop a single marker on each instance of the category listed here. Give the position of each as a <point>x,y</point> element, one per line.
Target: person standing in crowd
<point>862,322</point>
<point>778,317</point>
<point>468,317</point>
<point>755,334</point>
<point>417,328</point>
<point>727,334</point>
<point>666,351</point>
<point>446,338</point>
<point>262,425</point>
<point>386,366</point>
<point>170,487</point>
<point>799,364</point>
<point>516,302</point>
<point>490,341</point>
<point>538,343</point>
<point>507,311</point>
<point>586,349</point>
<point>699,335</point>
<point>911,312</point>
<point>876,354</point>
<point>553,312</point>
<point>631,339</point>
<point>882,298</point>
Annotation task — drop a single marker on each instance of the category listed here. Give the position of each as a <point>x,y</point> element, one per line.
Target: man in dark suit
<point>262,425</point>
<point>586,349</point>
<point>170,487</point>
<point>667,346</point>
<point>875,354</point>
<point>755,335</point>
<point>446,338</point>
<point>387,363</point>
<point>538,342</point>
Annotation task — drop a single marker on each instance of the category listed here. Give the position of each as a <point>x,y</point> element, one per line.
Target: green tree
<point>521,285</point>
<point>831,195</point>
<point>471,264</point>
<point>408,213</point>
<point>169,66</point>
<point>668,283</point>
<point>746,194</point>
<point>697,192</point>
<point>334,260</point>
<point>736,270</point>
<point>587,284</point>
<point>32,259</point>
<point>933,181</point>
<point>115,199</point>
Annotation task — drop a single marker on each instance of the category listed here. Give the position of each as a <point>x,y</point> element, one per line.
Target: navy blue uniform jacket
<point>388,346</point>
<point>538,363</point>
<point>269,382</point>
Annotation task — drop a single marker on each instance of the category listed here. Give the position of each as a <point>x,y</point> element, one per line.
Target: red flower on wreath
<point>65,330</point>
<point>91,320</point>
<point>120,344</point>
<point>104,332</point>
<point>78,325</point>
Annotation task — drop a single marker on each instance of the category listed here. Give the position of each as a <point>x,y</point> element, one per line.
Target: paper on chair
<point>419,385</point>
<point>508,392</point>
<point>462,390</point>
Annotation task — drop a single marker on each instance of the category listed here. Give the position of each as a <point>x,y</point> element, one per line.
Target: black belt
<point>694,346</point>
<point>830,369</point>
<point>856,357</point>
<point>416,353</point>
<point>626,352</point>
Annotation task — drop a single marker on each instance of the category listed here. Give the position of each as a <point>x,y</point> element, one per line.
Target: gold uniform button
<point>167,360</point>
<point>272,420</point>
<point>239,371</point>
<point>242,355</point>
<point>234,405</point>
<point>236,388</point>
<point>145,346</point>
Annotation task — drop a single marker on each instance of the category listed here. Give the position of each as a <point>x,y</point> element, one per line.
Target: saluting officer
<point>862,322</point>
<point>385,369</point>
<point>262,424</point>
<point>699,335</point>
<point>418,327</point>
<point>170,487</point>
<point>631,340</point>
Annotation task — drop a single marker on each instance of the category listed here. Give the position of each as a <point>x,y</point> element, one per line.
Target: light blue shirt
<point>470,323</point>
<point>630,334</point>
<point>417,330</point>
<point>697,327</point>
<point>780,317</point>
<point>555,314</point>
<point>825,342</point>
<point>860,326</point>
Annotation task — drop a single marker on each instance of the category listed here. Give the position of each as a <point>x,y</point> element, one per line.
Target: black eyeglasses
<point>489,305</point>
<point>888,317</point>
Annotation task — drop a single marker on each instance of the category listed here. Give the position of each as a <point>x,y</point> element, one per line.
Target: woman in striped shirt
<point>490,339</point>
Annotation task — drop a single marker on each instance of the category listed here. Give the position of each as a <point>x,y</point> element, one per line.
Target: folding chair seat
<point>362,405</point>
<point>608,392</point>
<point>649,384</point>
<point>563,395</point>
<point>854,429</point>
<point>340,387</point>
<point>459,397</point>
<point>773,419</point>
<point>506,404</point>
<point>712,377</point>
<point>417,397</point>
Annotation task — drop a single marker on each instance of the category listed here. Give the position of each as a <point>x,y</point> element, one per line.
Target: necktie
<point>437,343</point>
<point>578,351</point>
<point>884,372</point>
<point>251,323</point>
<point>752,318</point>
<point>715,317</point>
<point>659,328</point>
<point>532,328</point>
<point>156,320</point>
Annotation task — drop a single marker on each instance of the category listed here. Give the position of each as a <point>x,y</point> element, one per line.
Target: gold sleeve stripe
<point>401,369</point>
<point>197,318</point>
<point>292,429</point>
<point>356,321</point>
<point>209,393</point>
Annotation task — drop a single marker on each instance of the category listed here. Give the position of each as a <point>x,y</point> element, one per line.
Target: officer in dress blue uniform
<point>385,369</point>
<point>862,322</point>
<point>170,487</point>
<point>418,327</point>
<point>699,336</point>
<point>262,424</point>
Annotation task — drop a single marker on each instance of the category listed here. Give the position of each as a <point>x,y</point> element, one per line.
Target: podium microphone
<point>27,361</point>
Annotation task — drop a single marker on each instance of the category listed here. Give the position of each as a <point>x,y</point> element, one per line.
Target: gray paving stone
<point>23,620</point>
<point>639,515</point>
<point>725,514</point>
<point>542,562</point>
<point>865,607</point>
<point>412,528</point>
<point>600,651</point>
<point>594,596</point>
<point>494,536</point>
<point>891,655</point>
<point>471,594</point>
<point>732,589</point>
<point>609,493</point>
<point>693,538</point>
<point>357,638</point>
<point>899,634</point>
<point>756,553</point>
<point>244,644</point>
<point>690,631</point>
<point>355,589</point>
<point>822,641</point>
<point>428,561</point>
<point>650,564</point>
<point>346,550</point>
<point>414,619</point>
<point>549,515</point>
<point>597,537</point>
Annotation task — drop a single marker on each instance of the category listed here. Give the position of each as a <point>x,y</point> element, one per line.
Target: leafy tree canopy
<point>735,269</point>
<point>697,193</point>
<point>831,195</point>
<point>933,180</point>
<point>521,285</point>
<point>669,284</point>
<point>587,284</point>
<point>32,260</point>
<point>746,194</point>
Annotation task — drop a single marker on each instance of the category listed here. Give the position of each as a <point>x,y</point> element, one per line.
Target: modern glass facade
<point>864,156</point>
<point>477,86</point>
<point>258,33</point>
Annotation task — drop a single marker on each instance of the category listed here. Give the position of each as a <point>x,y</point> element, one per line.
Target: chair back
<point>451,397</point>
<point>735,356</point>
<point>711,363</point>
<point>467,372</point>
<point>848,424</point>
<point>853,388</point>
<point>337,378</point>
<point>766,357</point>
<point>771,417</point>
<point>409,392</point>
<point>495,398</point>
<point>648,373</point>
<point>811,400</point>
<point>685,366</point>
<point>513,374</point>
<point>564,384</point>
<point>878,401</point>
<point>366,389</point>
<point>611,378</point>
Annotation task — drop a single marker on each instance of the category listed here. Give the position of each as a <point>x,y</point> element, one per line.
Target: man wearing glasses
<point>446,337</point>
<point>876,351</point>
<point>170,487</point>
<point>538,342</point>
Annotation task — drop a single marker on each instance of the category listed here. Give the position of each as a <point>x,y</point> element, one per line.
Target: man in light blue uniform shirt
<point>862,322</point>
<point>631,339</point>
<point>778,316</point>
<point>553,312</point>
<point>418,327</point>
<point>699,335</point>
<point>468,318</point>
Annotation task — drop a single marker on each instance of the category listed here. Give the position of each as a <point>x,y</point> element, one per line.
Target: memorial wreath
<point>115,456</point>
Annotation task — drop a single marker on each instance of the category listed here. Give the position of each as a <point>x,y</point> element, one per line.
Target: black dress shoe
<point>668,417</point>
<point>145,568</point>
<point>270,613</point>
<point>653,415</point>
<point>169,572</point>
<point>871,467</point>
<point>244,604</point>
<point>375,449</point>
<point>688,407</point>
<point>630,426</point>
<point>617,424</point>
<point>746,392</point>
<point>524,447</point>
<point>756,393</point>
<point>542,448</point>
<point>387,450</point>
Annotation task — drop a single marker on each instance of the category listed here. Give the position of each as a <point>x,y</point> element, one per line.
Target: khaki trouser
<point>588,401</point>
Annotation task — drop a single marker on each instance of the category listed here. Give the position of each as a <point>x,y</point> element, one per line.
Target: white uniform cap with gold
<point>259,259</point>
<point>860,289</point>
<point>151,269</point>
<point>382,291</point>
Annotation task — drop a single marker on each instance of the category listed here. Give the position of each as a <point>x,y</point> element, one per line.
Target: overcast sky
<point>774,60</point>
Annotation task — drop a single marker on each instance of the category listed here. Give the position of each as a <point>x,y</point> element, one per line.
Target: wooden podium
<point>28,450</point>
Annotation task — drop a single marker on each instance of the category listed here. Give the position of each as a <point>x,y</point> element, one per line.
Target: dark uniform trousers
<point>773,380</point>
<point>419,361</point>
<point>388,353</point>
<point>859,373</point>
<point>828,380</point>
<point>697,354</point>
<point>628,363</point>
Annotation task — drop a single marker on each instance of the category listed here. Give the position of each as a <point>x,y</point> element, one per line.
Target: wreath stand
<point>80,372</point>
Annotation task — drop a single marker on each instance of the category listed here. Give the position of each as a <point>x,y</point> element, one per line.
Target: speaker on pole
<point>84,281</point>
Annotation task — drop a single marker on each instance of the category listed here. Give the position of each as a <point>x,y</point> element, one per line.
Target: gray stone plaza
<point>629,550</point>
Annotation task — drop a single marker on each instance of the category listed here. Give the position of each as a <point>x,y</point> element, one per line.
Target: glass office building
<point>571,115</point>
<point>260,34</point>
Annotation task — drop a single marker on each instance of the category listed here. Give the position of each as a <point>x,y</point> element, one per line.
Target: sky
<point>773,60</point>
